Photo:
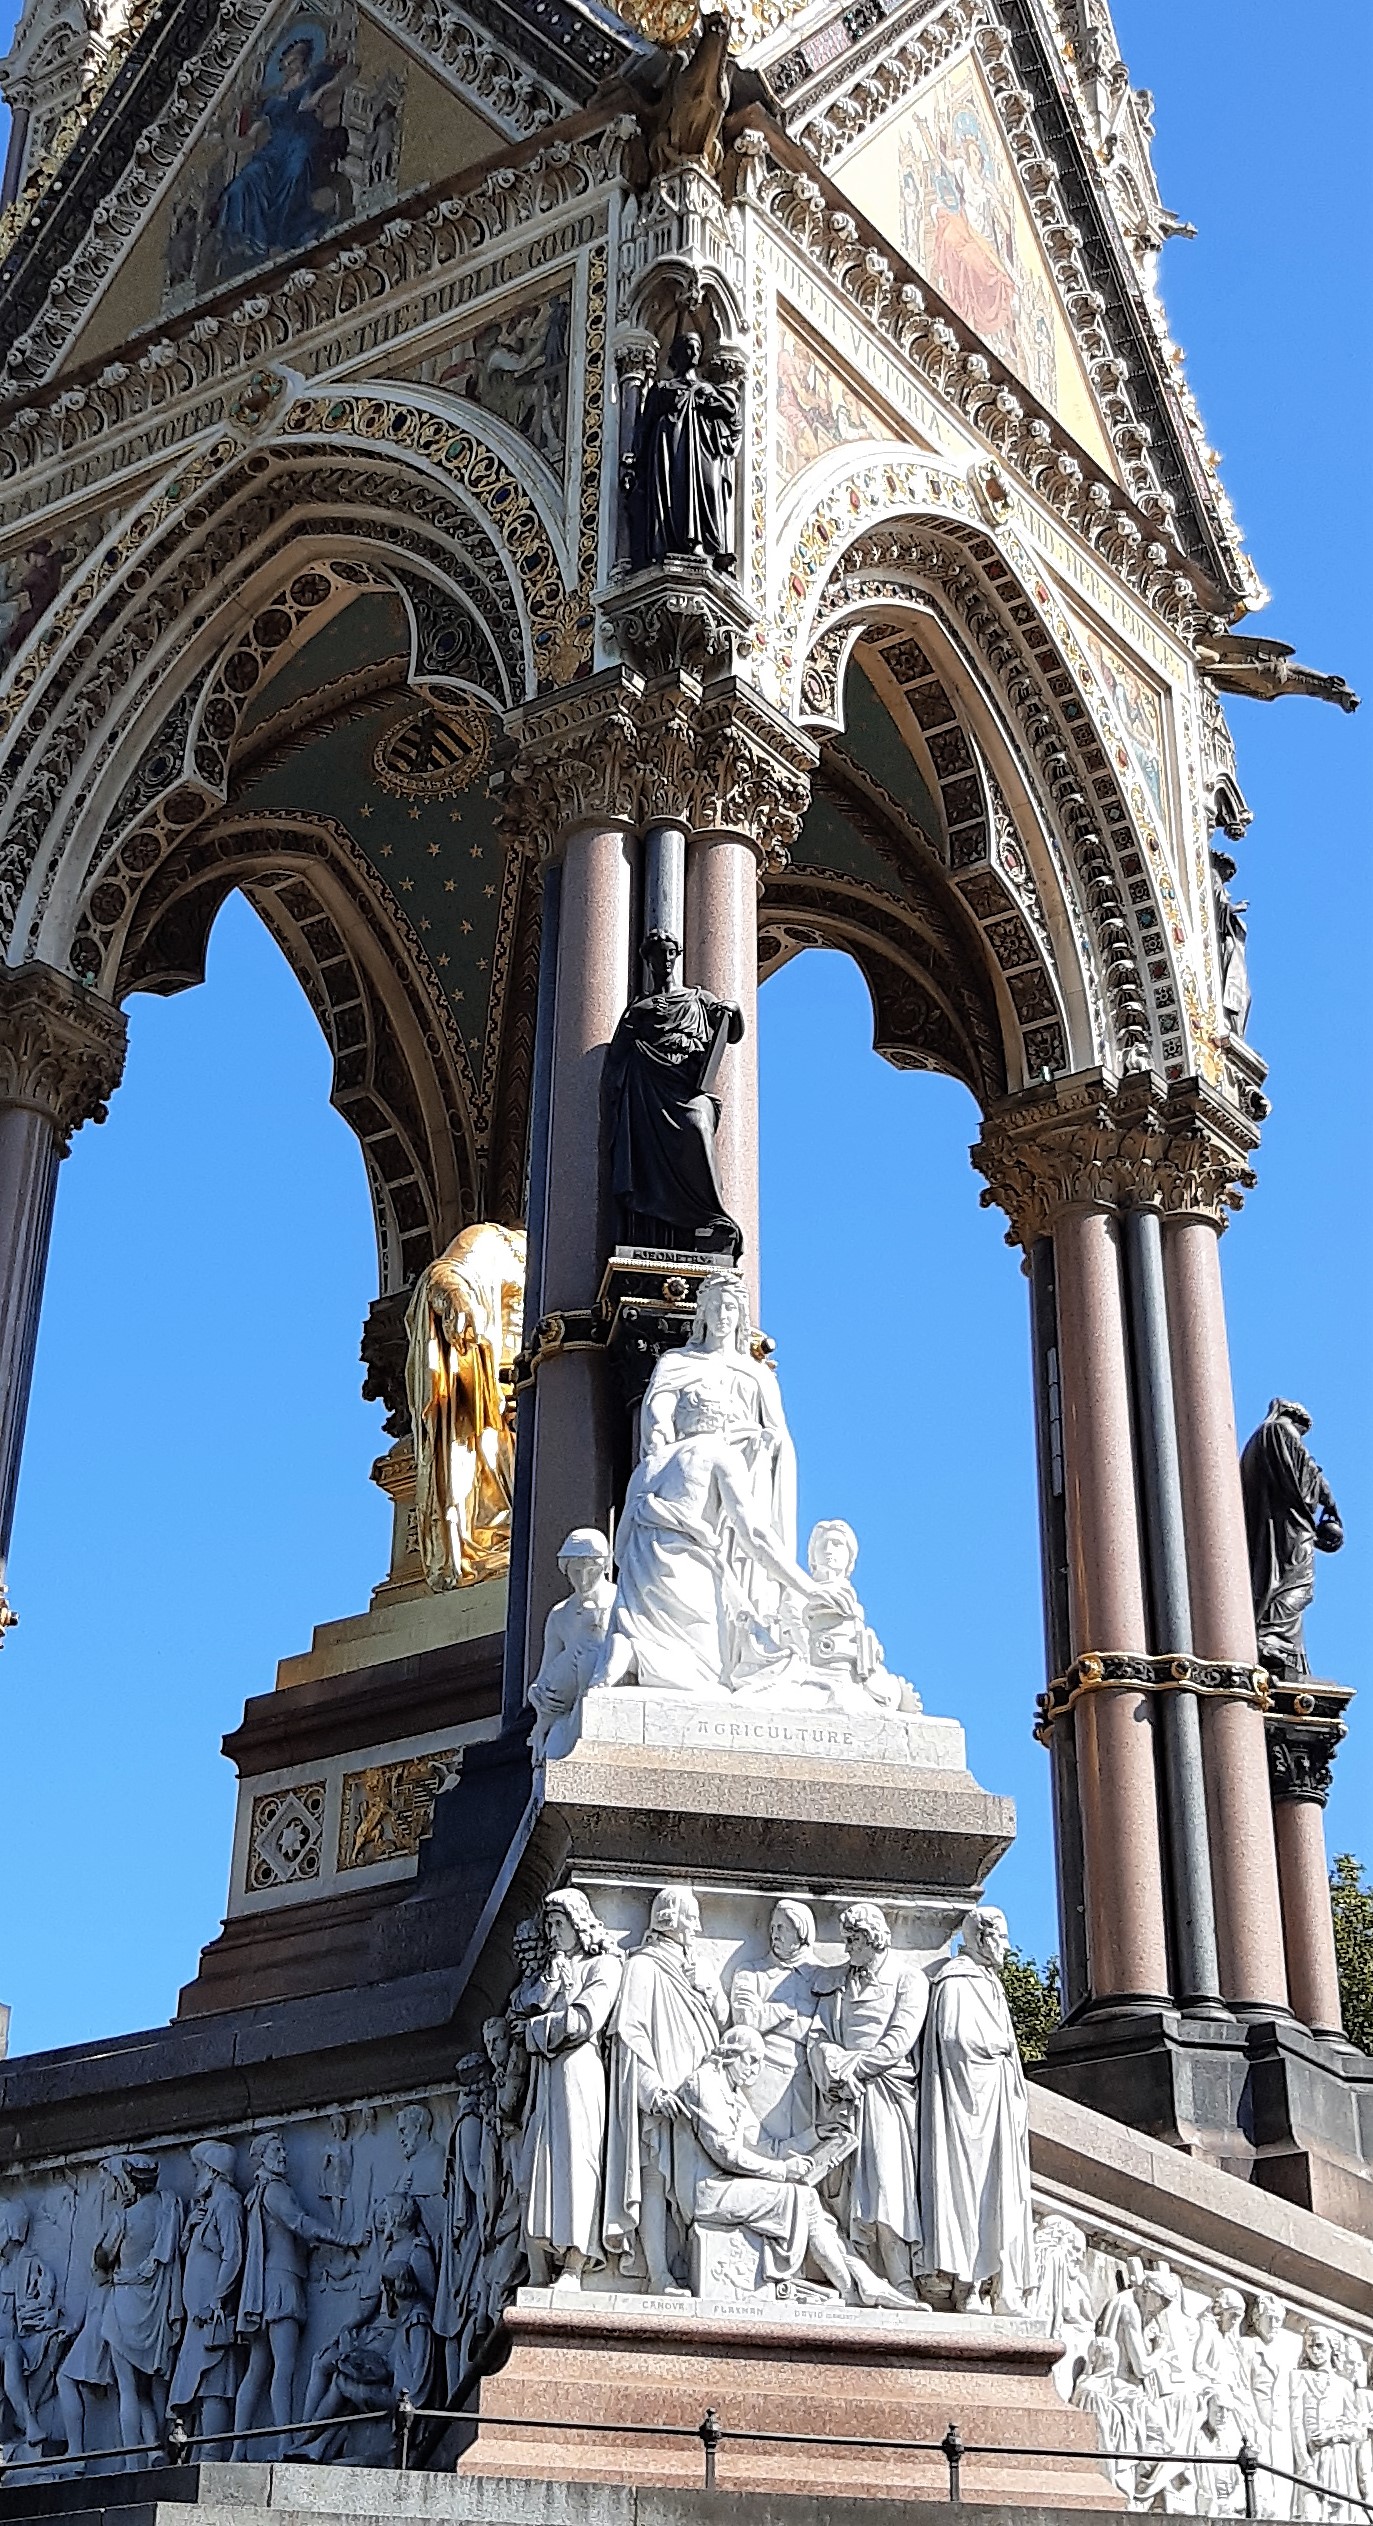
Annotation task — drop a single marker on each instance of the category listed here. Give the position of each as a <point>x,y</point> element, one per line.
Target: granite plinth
<point>666,1781</point>
<point>619,2374</point>
<point>1262,2099</point>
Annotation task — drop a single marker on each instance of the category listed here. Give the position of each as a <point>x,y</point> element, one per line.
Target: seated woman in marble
<point>745,2187</point>
<point>688,1528</point>
<point>718,1360</point>
<point>777,2000</point>
<point>564,2138</point>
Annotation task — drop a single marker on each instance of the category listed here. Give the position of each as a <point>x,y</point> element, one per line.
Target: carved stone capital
<point>61,1048</point>
<point>1089,1141</point>
<point>683,617</point>
<point>618,749</point>
<point>1304,1729</point>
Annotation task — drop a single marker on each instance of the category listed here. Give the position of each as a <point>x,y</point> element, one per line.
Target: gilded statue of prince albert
<point>660,1116</point>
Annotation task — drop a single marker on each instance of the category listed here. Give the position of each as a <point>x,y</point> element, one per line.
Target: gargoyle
<point>1260,670</point>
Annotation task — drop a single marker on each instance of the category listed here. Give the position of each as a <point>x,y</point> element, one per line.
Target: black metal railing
<point>178,2446</point>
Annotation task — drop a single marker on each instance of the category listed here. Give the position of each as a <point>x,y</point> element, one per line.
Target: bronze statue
<point>679,477</point>
<point>695,104</point>
<point>1290,1514</point>
<point>660,1116</point>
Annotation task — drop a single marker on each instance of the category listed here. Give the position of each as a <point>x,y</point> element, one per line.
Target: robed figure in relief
<point>975,2128</point>
<point>564,2132</point>
<point>463,1326</point>
<point>669,2016</point>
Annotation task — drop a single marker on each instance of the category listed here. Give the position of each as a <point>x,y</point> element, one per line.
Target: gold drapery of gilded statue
<point>463,1326</point>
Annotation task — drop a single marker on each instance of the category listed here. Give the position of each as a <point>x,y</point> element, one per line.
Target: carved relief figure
<point>1062,2295</point>
<point>868,2020</point>
<point>1327,2430</point>
<point>1265,2374</point>
<point>573,1636</point>
<point>670,2013</point>
<point>661,1118</point>
<point>565,2126</point>
<point>279,2233</point>
<point>32,2332</point>
<point>688,1522</point>
<point>502,2172</point>
<point>206,2369</point>
<point>768,2196</point>
<point>841,1656</point>
<point>423,2172</point>
<point>975,2127</point>
<point>777,2000</point>
<point>463,2239</point>
<point>139,2249</point>
<point>1290,1515</point>
<point>679,475</point>
<point>463,1327</point>
<point>388,2349</point>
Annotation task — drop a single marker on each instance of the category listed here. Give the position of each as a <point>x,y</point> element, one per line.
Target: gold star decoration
<point>407,885</point>
<point>466,929</point>
<point>475,852</point>
<point>448,885</point>
<point>364,809</point>
<point>481,964</point>
<point>442,962</point>
<point>386,850</point>
<point>433,850</point>
<point>488,890</point>
<point>424,925</point>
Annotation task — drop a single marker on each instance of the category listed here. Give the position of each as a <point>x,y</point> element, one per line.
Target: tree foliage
<point>1351,1902</point>
<point>1035,2001</point>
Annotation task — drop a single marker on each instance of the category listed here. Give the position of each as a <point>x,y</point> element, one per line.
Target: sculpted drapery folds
<point>562,2022</point>
<point>661,1117</point>
<point>975,2127</point>
<point>1290,1516</point>
<point>463,1327</point>
<point>669,2015</point>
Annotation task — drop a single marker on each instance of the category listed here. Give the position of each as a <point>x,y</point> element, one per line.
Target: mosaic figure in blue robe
<point>269,207</point>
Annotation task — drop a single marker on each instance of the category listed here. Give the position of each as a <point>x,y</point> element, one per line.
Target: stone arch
<point>1033,779</point>
<point>383,478</point>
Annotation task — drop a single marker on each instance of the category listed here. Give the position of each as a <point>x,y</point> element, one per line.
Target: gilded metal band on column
<point>1106,1670</point>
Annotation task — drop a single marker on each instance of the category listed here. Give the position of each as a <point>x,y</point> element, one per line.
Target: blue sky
<point>195,1493</point>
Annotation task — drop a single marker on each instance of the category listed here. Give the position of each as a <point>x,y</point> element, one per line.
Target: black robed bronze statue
<point>660,1116</point>
<point>679,479</point>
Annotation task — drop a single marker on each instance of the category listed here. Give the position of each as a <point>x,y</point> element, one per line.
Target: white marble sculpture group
<point>1172,2372</point>
<point>709,1600</point>
<point>855,2129</point>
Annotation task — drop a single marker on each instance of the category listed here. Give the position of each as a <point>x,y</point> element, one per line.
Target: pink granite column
<point>1126,1945</point>
<point>1244,1866</point>
<point>722,956</point>
<point>1308,1930</point>
<point>573,1417</point>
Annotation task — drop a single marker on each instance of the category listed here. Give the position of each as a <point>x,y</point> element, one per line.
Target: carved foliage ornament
<point>1091,1142</point>
<point>61,1049</point>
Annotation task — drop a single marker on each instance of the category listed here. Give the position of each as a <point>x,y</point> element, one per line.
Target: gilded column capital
<point>61,1048</point>
<point>1094,1142</point>
<point>623,748</point>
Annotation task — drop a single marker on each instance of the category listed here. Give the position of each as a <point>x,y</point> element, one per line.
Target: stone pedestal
<point>776,2372</point>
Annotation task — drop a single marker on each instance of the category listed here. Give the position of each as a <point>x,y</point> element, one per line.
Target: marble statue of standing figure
<point>661,1115</point>
<point>31,2329</point>
<point>777,2000</point>
<point>975,2127</point>
<point>206,2367</point>
<point>573,1636</point>
<point>463,1328</point>
<point>868,2019</point>
<point>1290,1516</point>
<point>564,2135</point>
<point>140,2250</point>
<point>668,2019</point>
<point>1327,2429</point>
<point>1266,2376</point>
<point>679,476</point>
<point>1231,943</point>
<point>461,2244</point>
<point>278,2235</point>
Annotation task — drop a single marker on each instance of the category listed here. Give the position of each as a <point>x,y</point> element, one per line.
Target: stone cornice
<point>1093,1142</point>
<point>61,1048</point>
<point>716,758</point>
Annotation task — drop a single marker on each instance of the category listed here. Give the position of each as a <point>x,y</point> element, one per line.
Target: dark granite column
<point>61,1056</point>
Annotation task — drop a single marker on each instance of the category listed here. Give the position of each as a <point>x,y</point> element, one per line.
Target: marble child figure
<point>573,1635</point>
